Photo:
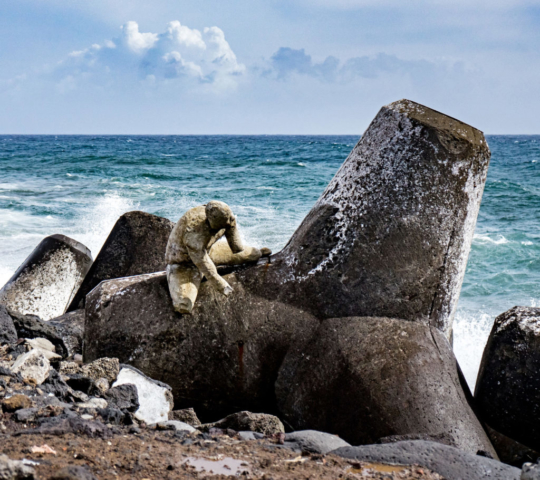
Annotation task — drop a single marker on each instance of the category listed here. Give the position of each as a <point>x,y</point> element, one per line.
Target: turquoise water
<point>79,185</point>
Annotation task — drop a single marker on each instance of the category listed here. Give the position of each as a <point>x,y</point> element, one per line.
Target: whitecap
<point>526,243</point>
<point>301,164</point>
<point>484,238</point>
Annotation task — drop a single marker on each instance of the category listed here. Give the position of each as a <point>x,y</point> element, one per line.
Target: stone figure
<point>193,251</point>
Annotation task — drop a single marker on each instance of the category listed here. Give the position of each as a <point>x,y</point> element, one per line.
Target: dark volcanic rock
<point>45,283</point>
<point>55,385</point>
<point>30,326</point>
<point>509,451</point>
<point>70,327</point>
<point>73,472</point>
<point>8,334</point>
<point>451,463</point>
<point>367,378</point>
<point>136,245</point>
<point>123,397</point>
<point>508,381</point>
<point>81,383</point>
<point>444,438</point>
<point>389,237</point>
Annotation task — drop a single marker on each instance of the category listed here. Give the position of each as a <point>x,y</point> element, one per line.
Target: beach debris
<point>43,449</point>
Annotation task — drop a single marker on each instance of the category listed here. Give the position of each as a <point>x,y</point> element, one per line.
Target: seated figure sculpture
<point>193,251</point>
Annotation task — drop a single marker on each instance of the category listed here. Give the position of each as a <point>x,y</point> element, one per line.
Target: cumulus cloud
<point>287,62</point>
<point>180,53</point>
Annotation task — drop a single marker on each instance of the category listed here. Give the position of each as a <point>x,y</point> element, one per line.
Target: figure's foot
<point>184,307</point>
<point>265,252</point>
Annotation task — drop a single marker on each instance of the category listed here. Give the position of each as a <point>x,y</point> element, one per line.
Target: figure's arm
<point>232,234</point>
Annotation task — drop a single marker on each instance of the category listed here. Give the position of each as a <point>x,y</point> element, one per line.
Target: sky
<point>264,66</point>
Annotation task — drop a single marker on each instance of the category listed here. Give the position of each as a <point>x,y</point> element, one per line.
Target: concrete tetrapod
<point>48,279</point>
<point>136,245</point>
<point>389,237</point>
<point>368,378</point>
<point>508,382</point>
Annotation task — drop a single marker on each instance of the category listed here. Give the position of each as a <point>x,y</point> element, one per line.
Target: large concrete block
<point>368,378</point>
<point>46,282</point>
<point>508,385</point>
<point>136,245</point>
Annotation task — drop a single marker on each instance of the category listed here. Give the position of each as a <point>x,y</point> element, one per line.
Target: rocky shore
<point>331,359</point>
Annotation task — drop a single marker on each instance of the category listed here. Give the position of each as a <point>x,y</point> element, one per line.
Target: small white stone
<point>86,416</point>
<point>42,343</point>
<point>32,365</point>
<point>93,402</point>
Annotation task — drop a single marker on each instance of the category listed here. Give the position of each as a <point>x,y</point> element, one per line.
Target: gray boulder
<point>8,333</point>
<point>367,378</point>
<point>136,245</point>
<point>451,463</point>
<point>312,441</point>
<point>45,283</point>
<point>389,236</point>
<point>508,382</point>
<point>15,469</point>
<point>123,397</point>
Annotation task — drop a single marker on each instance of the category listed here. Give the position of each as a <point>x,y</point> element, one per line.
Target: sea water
<point>80,185</point>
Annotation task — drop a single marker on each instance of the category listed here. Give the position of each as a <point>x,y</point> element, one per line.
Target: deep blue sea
<point>80,185</point>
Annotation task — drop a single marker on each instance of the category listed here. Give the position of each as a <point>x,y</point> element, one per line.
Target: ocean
<point>80,185</point>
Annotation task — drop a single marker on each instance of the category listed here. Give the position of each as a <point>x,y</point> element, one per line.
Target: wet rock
<point>367,378</point>
<point>15,469</point>
<point>530,472</point>
<point>255,422</point>
<point>70,328</point>
<point>33,366</point>
<point>154,398</point>
<point>32,327</point>
<point>123,397</point>
<point>508,382</point>
<point>186,415</point>
<point>45,283</point>
<point>136,245</point>
<point>73,472</point>
<point>312,441</point>
<point>8,334</point>
<point>509,451</point>
<point>16,402</point>
<point>451,463</point>
<point>107,368</point>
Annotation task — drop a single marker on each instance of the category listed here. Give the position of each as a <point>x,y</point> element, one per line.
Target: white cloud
<point>179,54</point>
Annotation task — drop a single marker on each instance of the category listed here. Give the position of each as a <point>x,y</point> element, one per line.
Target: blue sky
<point>264,66</point>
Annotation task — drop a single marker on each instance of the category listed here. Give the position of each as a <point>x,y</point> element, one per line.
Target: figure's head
<point>219,215</point>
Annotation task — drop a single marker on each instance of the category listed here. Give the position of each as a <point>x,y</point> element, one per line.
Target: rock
<point>312,441</point>
<point>8,334</point>
<point>26,415</point>
<point>112,415</point>
<point>69,368</point>
<point>45,283</point>
<point>33,366</point>
<point>81,383</point>
<point>15,469</point>
<point>31,327</point>
<point>70,328</point>
<point>451,463</point>
<point>508,382</point>
<point>107,368</point>
<point>155,398</point>
<point>48,354</point>
<point>55,385</point>
<point>16,402</point>
<point>444,438</point>
<point>249,436</point>
<point>93,402</point>
<point>186,415</point>
<point>136,245</point>
<point>73,472</point>
<point>530,472</point>
<point>65,424</point>
<point>255,422</point>
<point>102,385</point>
<point>175,425</point>
<point>123,397</point>
<point>509,451</point>
<point>40,343</point>
<point>389,237</point>
<point>367,378</point>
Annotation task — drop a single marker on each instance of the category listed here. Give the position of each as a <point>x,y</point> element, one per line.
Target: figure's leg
<point>221,254</point>
<point>184,281</point>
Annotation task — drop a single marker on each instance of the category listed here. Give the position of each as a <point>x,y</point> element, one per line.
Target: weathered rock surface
<point>70,327</point>
<point>530,472</point>
<point>186,415</point>
<point>451,463</point>
<point>73,472</point>
<point>124,397</point>
<point>15,469</point>
<point>154,397</point>
<point>16,402</point>
<point>8,333</point>
<point>312,441</point>
<point>508,381</point>
<point>46,282</point>
<point>136,245</point>
<point>33,366</point>
<point>509,451</point>
<point>367,378</point>
<point>248,421</point>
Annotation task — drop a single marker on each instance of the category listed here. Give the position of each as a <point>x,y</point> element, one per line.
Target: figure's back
<point>191,221</point>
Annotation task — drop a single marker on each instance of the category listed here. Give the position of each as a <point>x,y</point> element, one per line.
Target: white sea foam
<point>485,238</point>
